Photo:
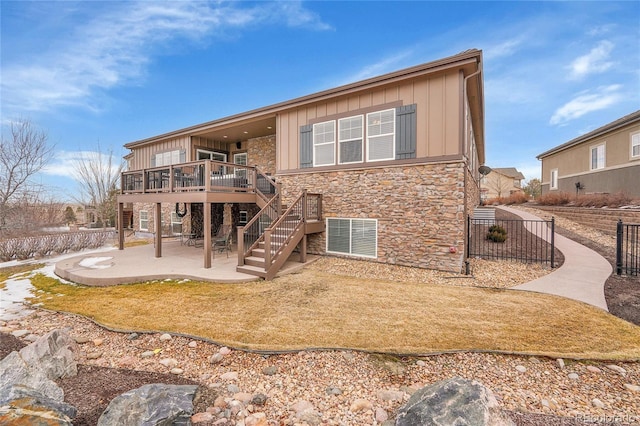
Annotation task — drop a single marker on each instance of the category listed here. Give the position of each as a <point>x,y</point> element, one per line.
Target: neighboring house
<point>606,160</point>
<point>501,182</point>
<point>385,169</point>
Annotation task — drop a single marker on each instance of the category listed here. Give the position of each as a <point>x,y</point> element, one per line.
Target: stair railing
<point>278,235</point>
<point>249,235</point>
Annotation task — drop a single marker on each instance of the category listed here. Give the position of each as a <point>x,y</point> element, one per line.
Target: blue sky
<point>104,73</point>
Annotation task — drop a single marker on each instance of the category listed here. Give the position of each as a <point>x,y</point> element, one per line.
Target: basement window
<point>356,237</point>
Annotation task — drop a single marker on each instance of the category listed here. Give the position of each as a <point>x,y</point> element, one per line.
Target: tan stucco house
<point>605,160</point>
<point>501,182</point>
<point>384,169</point>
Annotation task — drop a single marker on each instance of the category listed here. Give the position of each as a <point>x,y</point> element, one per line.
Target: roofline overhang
<point>470,58</point>
<point>614,125</point>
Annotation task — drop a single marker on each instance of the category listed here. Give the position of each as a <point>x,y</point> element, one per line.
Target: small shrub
<point>497,234</point>
<point>555,199</point>
<point>584,200</point>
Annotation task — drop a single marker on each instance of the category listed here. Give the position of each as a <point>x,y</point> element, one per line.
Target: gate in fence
<point>628,248</point>
<point>527,241</point>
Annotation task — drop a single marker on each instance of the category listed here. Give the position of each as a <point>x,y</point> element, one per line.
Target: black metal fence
<point>527,241</point>
<point>628,248</point>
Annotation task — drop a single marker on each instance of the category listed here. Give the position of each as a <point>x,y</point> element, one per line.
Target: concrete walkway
<point>582,275</point>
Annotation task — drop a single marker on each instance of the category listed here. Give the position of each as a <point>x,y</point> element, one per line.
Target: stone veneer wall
<point>167,208</point>
<point>473,193</point>
<point>261,152</point>
<point>420,209</point>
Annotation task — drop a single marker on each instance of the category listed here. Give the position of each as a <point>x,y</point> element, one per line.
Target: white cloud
<point>586,102</point>
<point>65,163</point>
<point>115,47</point>
<point>596,61</point>
<point>383,66</point>
<point>503,49</point>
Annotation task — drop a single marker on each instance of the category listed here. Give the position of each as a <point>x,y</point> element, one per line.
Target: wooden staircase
<point>287,229</point>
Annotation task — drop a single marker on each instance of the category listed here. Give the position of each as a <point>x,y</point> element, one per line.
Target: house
<point>501,182</point>
<point>605,160</point>
<point>384,169</point>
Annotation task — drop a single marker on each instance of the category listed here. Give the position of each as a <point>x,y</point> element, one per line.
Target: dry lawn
<point>316,309</point>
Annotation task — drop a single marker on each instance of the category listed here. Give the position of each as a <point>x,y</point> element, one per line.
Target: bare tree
<point>25,153</point>
<point>98,175</point>
<point>533,188</point>
<point>499,183</point>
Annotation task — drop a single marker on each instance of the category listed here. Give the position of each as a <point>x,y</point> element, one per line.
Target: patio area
<point>179,261</point>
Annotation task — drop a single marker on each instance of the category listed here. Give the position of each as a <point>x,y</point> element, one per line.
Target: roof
<point>614,125</point>
<point>471,58</point>
<point>511,172</point>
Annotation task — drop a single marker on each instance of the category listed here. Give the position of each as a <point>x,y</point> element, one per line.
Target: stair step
<point>258,252</point>
<point>254,261</point>
<point>252,270</point>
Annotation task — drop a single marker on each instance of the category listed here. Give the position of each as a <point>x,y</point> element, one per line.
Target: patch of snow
<point>92,262</point>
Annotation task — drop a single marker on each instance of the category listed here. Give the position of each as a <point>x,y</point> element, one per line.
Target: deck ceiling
<point>240,131</point>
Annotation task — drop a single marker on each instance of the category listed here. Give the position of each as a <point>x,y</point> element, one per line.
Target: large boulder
<point>27,406</point>
<point>54,354</point>
<point>36,366</point>
<point>28,393</point>
<point>14,371</point>
<point>454,401</point>
<point>154,404</point>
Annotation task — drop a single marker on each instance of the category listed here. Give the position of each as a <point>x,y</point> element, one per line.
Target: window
<point>635,145</point>
<point>381,135</point>
<point>240,158</point>
<point>554,179</point>
<point>597,157</point>
<point>356,237</point>
<point>243,217</point>
<point>216,156</point>
<point>144,220</point>
<point>176,224</point>
<point>350,140</point>
<point>324,141</point>
<point>390,134</point>
<point>168,158</point>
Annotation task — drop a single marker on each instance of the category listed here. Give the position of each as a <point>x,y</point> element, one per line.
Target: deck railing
<point>628,248</point>
<point>204,175</point>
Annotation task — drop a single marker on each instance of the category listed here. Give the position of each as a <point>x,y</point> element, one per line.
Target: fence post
<point>619,237</point>
<point>553,242</point>
<point>468,236</point>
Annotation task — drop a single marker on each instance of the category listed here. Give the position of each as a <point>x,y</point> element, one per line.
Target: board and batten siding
<point>141,158</point>
<point>142,155</point>
<point>438,106</point>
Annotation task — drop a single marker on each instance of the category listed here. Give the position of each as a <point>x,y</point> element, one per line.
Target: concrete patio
<point>138,264</point>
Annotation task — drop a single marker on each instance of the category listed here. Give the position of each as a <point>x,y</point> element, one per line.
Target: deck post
<point>207,176</point>
<point>158,229</point>
<point>303,249</point>
<point>207,233</point>
<point>240,245</point>
<point>120,226</point>
<point>267,249</point>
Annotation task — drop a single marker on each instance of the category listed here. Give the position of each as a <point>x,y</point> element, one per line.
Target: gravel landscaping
<point>337,387</point>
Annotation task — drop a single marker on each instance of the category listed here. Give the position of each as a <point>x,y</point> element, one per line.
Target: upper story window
<point>554,179</point>
<point>324,142</point>
<point>168,158</point>
<point>381,135</point>
<point>597,157</point>
<point>350,134</point>
<point>376,136</point>
<point>635,145</point>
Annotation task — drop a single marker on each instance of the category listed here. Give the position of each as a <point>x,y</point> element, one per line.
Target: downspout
<point>466,149</point>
